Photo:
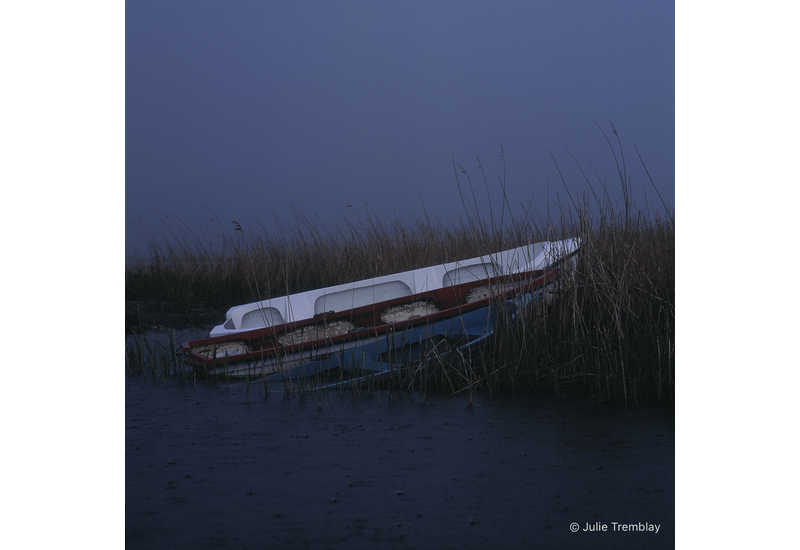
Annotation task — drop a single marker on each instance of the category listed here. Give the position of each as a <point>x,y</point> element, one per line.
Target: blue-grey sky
<point>242,109</point>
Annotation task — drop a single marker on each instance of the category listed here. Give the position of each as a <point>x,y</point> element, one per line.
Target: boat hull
<point>386,348</point>
<point>377,336</point>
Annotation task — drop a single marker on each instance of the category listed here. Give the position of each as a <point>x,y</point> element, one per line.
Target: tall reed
<point>609,334</point>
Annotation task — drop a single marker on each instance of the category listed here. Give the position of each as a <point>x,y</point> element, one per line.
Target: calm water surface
<point>213,467</point>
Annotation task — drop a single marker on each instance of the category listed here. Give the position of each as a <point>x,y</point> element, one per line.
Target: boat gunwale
<point>527,281</point>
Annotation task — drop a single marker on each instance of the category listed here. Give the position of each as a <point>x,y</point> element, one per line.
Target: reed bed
<point>609,335</point>
<point>248,263</point>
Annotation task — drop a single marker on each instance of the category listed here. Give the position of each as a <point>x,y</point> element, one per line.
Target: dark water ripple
<point>204,469</point>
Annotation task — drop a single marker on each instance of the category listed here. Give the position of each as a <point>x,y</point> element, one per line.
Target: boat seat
<point>263,317</point>
<point>461,275</point>
<point>362,296</point>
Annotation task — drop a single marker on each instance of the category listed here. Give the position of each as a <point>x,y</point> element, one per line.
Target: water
<point>217,467</point>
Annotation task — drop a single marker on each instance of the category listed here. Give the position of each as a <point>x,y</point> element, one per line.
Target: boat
<point>375,326</point>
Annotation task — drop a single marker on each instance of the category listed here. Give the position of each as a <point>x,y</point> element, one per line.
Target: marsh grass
<point>608,335</point>
<point>149,357</point>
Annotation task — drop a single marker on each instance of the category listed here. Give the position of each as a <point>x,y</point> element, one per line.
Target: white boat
<point>361,324</point>
<point>303,306</point>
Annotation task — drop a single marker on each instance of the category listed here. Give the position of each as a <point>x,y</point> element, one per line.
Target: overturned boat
<point>377,325</point>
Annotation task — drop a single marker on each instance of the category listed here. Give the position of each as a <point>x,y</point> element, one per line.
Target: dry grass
<point>610,335</point>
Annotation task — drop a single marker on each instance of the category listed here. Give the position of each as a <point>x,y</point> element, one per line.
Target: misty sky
<point>238,110</point>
